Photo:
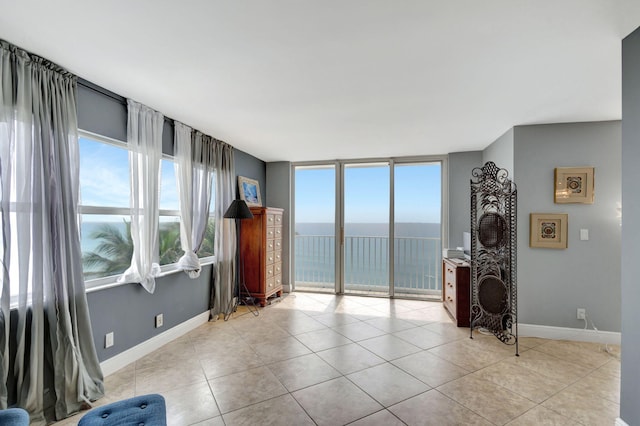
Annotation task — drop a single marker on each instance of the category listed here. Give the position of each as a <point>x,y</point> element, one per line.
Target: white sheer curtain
<point>144,137</point>
<point>194,169</point>
<point>225,233</point>
<point>49,364</point>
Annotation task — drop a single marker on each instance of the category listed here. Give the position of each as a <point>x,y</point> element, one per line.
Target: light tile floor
<point>334,360</point>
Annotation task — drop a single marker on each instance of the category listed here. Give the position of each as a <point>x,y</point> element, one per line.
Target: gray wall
<point>249,166</point>
<point>552,283</point>
<point>460,166</point>
<point>128,310</point>
<point>101,111</point>
<point>501,152</point>
<point>279,195</point>
<point>105,113</point>
<point>630,377</point>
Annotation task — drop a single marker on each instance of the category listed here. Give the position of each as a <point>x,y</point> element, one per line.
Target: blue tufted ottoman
<point>144,410</point>
<point>14,417</point>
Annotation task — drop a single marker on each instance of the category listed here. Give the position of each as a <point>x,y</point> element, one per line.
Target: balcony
<point>417,265</point>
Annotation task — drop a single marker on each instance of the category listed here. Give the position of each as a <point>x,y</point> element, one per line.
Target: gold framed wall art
<point>573,185</point>
<point>548,230</point>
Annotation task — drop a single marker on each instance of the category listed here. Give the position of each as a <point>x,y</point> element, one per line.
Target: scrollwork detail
<point>494,193</point>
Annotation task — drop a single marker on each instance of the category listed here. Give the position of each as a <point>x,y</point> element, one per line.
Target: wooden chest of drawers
<point>261,252</point>
<point>455,290</point>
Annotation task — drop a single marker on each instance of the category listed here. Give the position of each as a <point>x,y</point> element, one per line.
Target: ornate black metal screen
<point>494,303</point>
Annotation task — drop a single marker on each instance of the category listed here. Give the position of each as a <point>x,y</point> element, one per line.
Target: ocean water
<point>417,255</point>
<point>408,229</point>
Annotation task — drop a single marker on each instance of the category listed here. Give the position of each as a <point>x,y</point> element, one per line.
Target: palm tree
<point>170,248</point>
<point>206,248</point>
<point>113,254</point>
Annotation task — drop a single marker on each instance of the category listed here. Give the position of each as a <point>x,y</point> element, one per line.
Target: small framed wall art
<point>250,191</point>
<point>573,185</point>
<point>548,230</point>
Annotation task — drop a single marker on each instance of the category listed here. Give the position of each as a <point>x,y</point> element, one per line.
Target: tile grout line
<point>242,332</point>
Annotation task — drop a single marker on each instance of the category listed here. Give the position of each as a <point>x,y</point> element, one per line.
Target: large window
<point>105,215</point>
<point>104,207</point>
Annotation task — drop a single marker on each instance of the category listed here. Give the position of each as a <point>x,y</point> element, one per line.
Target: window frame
<point>111,280</point>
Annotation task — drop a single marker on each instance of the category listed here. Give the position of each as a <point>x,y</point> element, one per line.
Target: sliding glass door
<point>366,228</point>
<point>369,228</point>
<point>315,228</point>
<point>417,230</point>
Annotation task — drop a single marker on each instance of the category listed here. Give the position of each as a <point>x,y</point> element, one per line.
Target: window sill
<point>165,270</point>
<point>110,282</point>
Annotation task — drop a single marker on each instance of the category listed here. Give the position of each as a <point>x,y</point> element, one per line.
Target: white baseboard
<point>620,422</point>
<point>125,358</point>
<point>565,333</point>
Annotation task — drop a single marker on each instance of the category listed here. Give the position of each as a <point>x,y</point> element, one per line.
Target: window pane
<point>105,239</point>
<point>168,187</point>
<point>207,246</point>
<point>106,245</point>
<point>366,228</point>
<point>315,228</point>
<point>14,269</point>
<point>104,174</point>
<point>418,244</point>
<point>169,227</point>
<point>170,250</point>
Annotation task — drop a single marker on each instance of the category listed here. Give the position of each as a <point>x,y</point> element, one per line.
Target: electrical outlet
<point>159,320</point>
<point>108,340</point>
<point>582,313</point>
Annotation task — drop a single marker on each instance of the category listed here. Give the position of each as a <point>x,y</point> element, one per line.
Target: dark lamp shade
<point>238,210</point>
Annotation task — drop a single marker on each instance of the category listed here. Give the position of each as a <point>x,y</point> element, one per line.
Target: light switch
<point>584,234</point>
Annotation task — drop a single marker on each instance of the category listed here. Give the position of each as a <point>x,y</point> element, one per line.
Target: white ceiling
<point>301,80</point>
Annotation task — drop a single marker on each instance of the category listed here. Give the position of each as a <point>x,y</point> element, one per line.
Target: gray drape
<point>203,168</point>
<point>55,364</point>
<point>225,234</point>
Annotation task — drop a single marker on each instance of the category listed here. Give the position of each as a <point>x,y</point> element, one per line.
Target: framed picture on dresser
<point>250,191</point>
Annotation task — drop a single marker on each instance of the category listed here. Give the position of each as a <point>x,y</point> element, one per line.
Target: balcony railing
<point>417,264</point>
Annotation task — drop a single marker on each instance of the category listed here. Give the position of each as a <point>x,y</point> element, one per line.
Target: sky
<point>367,188</point>
<point>104,177</point>
<point>104,181</point>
